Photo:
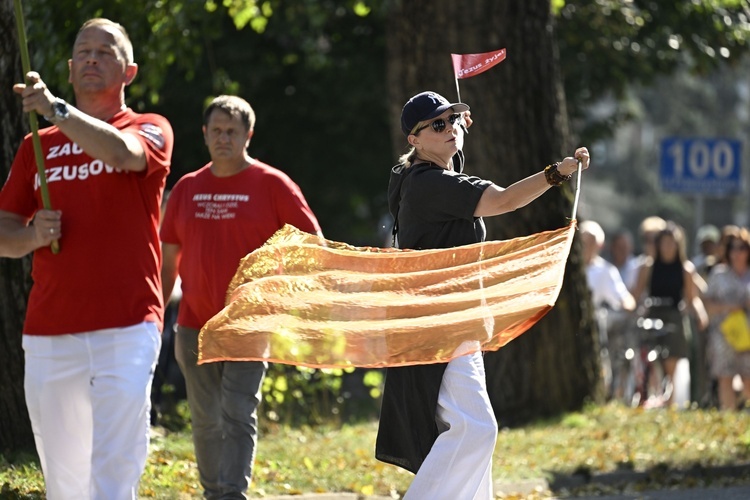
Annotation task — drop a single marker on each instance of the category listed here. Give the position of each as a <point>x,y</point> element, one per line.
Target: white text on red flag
<point>468,65</point>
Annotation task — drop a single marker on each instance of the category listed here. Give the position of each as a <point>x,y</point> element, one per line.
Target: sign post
<point>702,166</point>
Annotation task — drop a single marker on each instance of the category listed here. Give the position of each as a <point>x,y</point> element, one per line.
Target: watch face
<point>61,109</point>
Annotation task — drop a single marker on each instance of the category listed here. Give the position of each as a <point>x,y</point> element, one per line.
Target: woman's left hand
<point>467,119</point>
<point>570,164</point>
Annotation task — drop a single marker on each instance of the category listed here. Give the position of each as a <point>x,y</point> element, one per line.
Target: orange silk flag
<point>302,300</point>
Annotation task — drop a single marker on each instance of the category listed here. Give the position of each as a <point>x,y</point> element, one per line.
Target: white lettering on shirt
<point>218,206</point>
<point>75,172</point>
<point>67,149</point>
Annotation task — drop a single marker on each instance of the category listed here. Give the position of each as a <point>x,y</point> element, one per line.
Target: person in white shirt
<point>612,305</point>
<point>607,287</point>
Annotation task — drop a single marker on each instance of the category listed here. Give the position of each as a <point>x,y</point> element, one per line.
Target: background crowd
<point>672,327</point>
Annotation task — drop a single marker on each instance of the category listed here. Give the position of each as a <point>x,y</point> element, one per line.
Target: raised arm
<point>496,200</point>
<point>97,138</point>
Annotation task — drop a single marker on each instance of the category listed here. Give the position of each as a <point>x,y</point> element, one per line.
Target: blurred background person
<point>707,237</point>
<point>649,228</point>
<point>665,281</point>
<point>612,303</point>
<point>728,232</point>
<point>727,292</point>
<point>708,240</point>
<point>622,256</point>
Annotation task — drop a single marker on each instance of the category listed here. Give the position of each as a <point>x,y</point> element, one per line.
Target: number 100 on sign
<point>701,166</point>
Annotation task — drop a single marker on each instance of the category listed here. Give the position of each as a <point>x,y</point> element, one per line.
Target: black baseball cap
<point>424,106</point>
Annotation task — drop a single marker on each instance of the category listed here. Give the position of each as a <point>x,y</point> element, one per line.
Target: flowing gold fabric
<point>303,300</point>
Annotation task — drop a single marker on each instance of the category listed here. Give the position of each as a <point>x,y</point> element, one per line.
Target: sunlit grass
<point>322,459</point>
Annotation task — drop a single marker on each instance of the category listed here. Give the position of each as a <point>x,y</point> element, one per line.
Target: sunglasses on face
<point>439,124</point>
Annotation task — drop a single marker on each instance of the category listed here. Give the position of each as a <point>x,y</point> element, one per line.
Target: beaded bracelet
<point>553,175</point>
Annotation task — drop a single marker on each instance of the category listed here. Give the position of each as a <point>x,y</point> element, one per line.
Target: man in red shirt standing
<point>91,333</point>
<point>215,216</point>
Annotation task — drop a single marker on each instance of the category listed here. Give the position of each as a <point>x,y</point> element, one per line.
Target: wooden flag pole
<point>26,66</point>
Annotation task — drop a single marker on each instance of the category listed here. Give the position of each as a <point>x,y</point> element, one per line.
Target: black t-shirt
<point>433,208</point>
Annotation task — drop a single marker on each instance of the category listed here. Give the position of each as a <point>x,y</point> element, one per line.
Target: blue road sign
<point>700,165</point>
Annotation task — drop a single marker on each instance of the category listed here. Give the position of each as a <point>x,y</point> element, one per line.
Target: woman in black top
<point>666,289</point>
<point>436,420</point>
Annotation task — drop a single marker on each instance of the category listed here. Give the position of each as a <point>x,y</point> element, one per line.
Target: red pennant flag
<point>468,65</point>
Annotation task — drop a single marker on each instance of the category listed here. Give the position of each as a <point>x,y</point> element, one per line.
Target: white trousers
<point>459,465</point>
<point>88,399</point>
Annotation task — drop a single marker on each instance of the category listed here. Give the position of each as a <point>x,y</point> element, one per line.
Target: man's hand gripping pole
<point>26,66</point>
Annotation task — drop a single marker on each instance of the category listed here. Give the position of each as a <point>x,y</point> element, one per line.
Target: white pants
<point>88,399</point>
<point>459,465</point>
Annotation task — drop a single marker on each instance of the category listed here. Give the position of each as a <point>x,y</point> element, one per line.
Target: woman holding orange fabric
<point>436,419</point>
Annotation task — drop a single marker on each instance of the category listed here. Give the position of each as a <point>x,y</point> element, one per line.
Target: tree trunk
<point>15,279</point>
<point>520,126</point>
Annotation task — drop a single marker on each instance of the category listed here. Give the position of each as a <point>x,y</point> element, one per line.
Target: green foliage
<point>577,421</point>
<point>315,72</point>
<point>361,9</point>
<point>312,69</point>
<point>684,105</point>
<point>374,379</point>
<point>296,460</point>
<point>244,12</point>
<point>295,395</point>
<point>21,477</point>
<point>163,34</point>
<point>608,45</point>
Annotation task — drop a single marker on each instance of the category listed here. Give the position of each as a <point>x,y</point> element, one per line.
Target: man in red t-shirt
<point>215,216</point>
<point>91,334</point>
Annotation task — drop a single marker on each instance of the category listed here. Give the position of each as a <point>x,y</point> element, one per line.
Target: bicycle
<point>644,381</point>
<point>651,387</point>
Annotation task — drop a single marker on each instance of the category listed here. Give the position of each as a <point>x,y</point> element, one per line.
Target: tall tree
<point>15,280</point>
<point>520,126</point>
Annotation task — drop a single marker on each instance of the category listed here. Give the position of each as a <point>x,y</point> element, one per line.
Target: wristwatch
<point>60,112</point>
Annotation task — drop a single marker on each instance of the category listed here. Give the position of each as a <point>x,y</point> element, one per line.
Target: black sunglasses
<point>439,124</point>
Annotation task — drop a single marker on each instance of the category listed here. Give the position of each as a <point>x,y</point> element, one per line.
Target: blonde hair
<point>407,159</point>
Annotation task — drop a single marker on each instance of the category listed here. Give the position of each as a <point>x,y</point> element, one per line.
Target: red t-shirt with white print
<point>217,221</point>
<point>107,273</point>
